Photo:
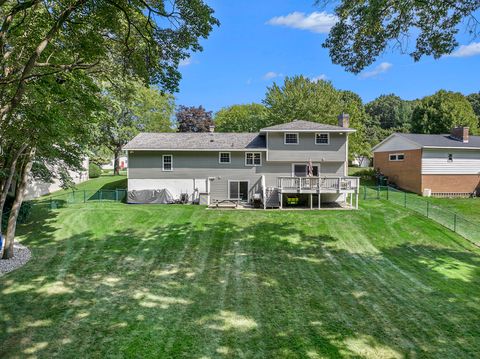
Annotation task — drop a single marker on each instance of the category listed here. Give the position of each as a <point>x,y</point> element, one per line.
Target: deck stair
<point>272,197</point>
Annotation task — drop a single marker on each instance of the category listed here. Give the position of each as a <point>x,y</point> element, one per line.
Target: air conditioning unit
<point>427,192</point>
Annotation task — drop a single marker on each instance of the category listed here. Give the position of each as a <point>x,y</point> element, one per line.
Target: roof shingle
<point>196,141</point>
<point>300,125</point>
<point>441,140</point>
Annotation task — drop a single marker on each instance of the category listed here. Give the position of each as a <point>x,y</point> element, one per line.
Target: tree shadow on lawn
<point>223,290</point>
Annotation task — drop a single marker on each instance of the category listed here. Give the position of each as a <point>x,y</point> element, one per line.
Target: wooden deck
<point>318,184</point>
<point>314,187</point>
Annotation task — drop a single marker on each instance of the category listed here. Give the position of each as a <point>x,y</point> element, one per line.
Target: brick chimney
<point>344,120</point>
<point>211,128</point>
<point>460,133</point>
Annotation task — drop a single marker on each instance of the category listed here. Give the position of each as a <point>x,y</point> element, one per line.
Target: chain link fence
<point>446,217</point>
<point>65,199</point>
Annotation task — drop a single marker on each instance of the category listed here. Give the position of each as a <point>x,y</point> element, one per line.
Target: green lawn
<point>104,182</point>
<point>151,281</point>
<point>466,207</point>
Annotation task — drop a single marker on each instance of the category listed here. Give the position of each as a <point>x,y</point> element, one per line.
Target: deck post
<point>280,197</point>
<point>356,199</point>
<point>319,201</point>
<point>311,201</point>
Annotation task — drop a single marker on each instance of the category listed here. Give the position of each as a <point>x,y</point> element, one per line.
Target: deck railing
<point>318,183</point>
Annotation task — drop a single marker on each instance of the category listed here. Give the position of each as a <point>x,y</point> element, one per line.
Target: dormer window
<point>291,138</point>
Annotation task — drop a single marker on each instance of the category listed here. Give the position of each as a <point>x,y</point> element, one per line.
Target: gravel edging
<point>21,256</point>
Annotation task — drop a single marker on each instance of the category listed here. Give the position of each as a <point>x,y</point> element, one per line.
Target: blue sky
<point>261,42</point>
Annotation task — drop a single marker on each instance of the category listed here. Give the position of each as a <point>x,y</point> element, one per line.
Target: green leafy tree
<point>193,119</point>
<point>54,54</point>
<point>474,100</point>
<point>390,111</point>
<point>131,108</point>
<point>317,101</point>
<point>34,139</point>
<point>441,112</point>
<point>365,29</point>
<point>241,118</point>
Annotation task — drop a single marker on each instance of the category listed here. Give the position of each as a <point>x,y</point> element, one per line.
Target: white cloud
<point>380,69</point>
<point>185,62</point>
<point>271,75</point>
<point>319,78</point>
<point>319,22</point>
<point>467,50</point>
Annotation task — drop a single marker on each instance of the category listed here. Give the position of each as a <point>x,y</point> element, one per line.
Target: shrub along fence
<point>447,218</point>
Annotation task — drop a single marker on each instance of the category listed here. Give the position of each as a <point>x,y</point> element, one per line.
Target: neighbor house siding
<point>465,162</point>
<point>451,183</point>
<point>406,174</point>
<point>306,149</point>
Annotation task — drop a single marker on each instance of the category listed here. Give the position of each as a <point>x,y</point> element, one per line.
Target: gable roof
<point>305,126</point>
<point>196,141</point>
<point>435,141</point>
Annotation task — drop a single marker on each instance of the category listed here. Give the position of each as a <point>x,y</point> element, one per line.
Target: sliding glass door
<point>238,190</point>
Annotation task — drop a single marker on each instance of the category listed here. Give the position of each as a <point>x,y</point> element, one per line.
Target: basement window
<point>450,157</point>
<point>397,157</point>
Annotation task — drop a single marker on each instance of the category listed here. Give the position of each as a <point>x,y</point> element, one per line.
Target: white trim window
<point>167,163</point>
<point>253,158</point>
<point>224,157</point>
<point>395,157</point>
<point>322,138</point>
<point>290,138</point>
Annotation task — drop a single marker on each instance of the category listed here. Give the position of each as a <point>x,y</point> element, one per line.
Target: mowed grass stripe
<point>179,281</point>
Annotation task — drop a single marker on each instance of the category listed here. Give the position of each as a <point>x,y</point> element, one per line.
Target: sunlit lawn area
<point>113,280</point>
<point>466,207</point>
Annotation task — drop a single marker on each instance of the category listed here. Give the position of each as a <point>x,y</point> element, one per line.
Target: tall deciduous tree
<point>390,111</point>
<point>474,100</point>
<point>366,28</point>
<point>130,108</point>
<point>241,118</point>
<point>34,139</point>
<point>441,112</point>
<point>317,101</point>
<point>48,47</point>
<point>193,119</point>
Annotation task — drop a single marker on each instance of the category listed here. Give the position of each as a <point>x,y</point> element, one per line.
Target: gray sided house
<point>299,162</point>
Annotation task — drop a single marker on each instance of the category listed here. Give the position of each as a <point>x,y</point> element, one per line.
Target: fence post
<point>405,199</point>
<point>455,222</point>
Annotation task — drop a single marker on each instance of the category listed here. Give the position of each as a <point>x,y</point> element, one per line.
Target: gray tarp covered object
<point>159,196</point>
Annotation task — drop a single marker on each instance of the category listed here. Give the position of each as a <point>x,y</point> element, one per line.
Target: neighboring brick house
<point>440,164</point>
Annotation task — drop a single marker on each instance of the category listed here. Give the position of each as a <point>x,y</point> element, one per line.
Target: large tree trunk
<point>7,183</point>
<point>116,163</point>
<point>17,203</point>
